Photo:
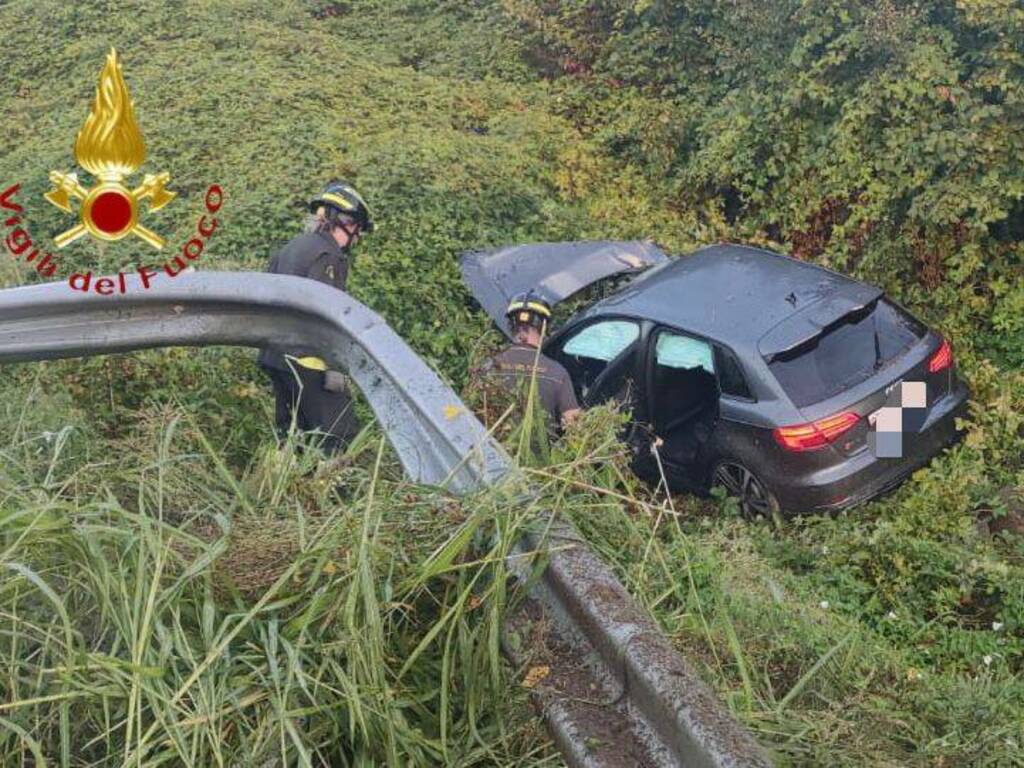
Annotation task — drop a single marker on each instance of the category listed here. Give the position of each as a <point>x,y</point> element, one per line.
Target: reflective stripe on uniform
<point>314,363</point>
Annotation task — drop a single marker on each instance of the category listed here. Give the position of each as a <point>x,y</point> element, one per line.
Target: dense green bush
<point>882,138</point>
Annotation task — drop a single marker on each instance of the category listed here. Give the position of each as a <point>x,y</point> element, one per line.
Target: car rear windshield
<point>846,353</point>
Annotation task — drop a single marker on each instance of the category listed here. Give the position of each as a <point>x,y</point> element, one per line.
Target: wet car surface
<point>791,386</point>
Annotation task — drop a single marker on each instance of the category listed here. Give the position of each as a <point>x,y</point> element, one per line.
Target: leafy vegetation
<point>881,138</point>
<point>886,636</point>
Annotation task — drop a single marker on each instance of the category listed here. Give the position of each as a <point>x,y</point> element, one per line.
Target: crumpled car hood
<point>554,270</point>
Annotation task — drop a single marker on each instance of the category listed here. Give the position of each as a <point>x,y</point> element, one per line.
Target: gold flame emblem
<point>110,147</point>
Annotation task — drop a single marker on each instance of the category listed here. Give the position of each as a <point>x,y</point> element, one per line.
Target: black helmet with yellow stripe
<point>342,196</point>
<point>528,309</point>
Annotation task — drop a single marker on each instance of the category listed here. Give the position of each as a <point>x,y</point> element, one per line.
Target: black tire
<point>756,500</point>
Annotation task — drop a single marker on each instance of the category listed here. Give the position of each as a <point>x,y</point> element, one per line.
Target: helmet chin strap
<point>353,235</point>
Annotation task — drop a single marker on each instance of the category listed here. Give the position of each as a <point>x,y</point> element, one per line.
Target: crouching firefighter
<point>522,363</point>
<point>304,389</point>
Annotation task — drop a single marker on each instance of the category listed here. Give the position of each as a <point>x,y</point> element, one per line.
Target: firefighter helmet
<point>528,309</point>
<point>341,195</point>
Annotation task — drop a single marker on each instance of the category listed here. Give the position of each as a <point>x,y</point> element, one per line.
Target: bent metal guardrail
<point>431,431</point>
<point>654,710</point>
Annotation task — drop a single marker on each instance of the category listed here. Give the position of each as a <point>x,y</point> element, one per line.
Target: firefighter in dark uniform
<point>304,389</point>
<point>528,315</point>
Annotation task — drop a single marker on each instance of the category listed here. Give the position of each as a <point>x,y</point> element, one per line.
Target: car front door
<point>601,358</point>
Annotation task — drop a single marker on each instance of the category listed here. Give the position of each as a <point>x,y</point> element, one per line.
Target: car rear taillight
<point>942,359</point>
<point>807,437</point>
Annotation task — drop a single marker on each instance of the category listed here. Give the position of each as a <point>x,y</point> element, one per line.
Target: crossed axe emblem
<point>109,210</point>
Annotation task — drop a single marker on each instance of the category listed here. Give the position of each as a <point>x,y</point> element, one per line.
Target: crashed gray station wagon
<point>791,386</point>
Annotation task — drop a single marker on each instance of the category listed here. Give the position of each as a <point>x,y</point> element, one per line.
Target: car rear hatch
<point>851,353</point>
<point>555,271</point>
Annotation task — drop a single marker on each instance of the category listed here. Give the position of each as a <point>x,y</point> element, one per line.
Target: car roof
<point>731,293</point>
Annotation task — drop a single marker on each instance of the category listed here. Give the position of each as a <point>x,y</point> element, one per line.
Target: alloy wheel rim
<point>740,482</point>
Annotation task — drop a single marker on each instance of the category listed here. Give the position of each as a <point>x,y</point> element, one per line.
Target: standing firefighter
<point>521,363</point>
<point>317,398</point>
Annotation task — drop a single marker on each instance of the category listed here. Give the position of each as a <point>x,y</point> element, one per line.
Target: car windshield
<point>846,353</point>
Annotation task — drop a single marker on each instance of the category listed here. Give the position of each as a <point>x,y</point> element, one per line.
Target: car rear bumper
<point>864,476</point>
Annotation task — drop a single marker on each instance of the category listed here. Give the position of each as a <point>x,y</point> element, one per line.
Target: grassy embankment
<point>284,619</point>
<point>174,588</point>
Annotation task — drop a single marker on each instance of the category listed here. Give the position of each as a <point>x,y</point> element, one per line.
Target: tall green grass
<point>163,607</point>
<point>168,600</point>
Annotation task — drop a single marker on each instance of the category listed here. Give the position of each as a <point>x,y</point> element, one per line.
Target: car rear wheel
<point>754,497</point>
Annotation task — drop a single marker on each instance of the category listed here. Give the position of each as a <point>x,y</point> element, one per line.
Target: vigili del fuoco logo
<point>111,148</point>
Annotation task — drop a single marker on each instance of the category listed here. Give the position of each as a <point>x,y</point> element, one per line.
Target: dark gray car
<point>791,386</point>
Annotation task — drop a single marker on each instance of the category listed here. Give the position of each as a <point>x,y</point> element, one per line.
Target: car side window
<point>587,353</point>
<point>683,381</point>
<point>730,375</point>
<point>673,350</point>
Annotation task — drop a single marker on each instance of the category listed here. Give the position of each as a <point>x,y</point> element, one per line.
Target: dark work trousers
<point>316,410</point>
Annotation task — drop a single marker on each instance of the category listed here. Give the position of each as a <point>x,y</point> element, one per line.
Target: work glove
<point>334,381</point>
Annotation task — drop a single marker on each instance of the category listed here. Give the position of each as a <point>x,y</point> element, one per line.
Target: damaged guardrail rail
<point>621,696</point>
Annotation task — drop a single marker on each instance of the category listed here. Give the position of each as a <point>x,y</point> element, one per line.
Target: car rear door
<point>682,400</point>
